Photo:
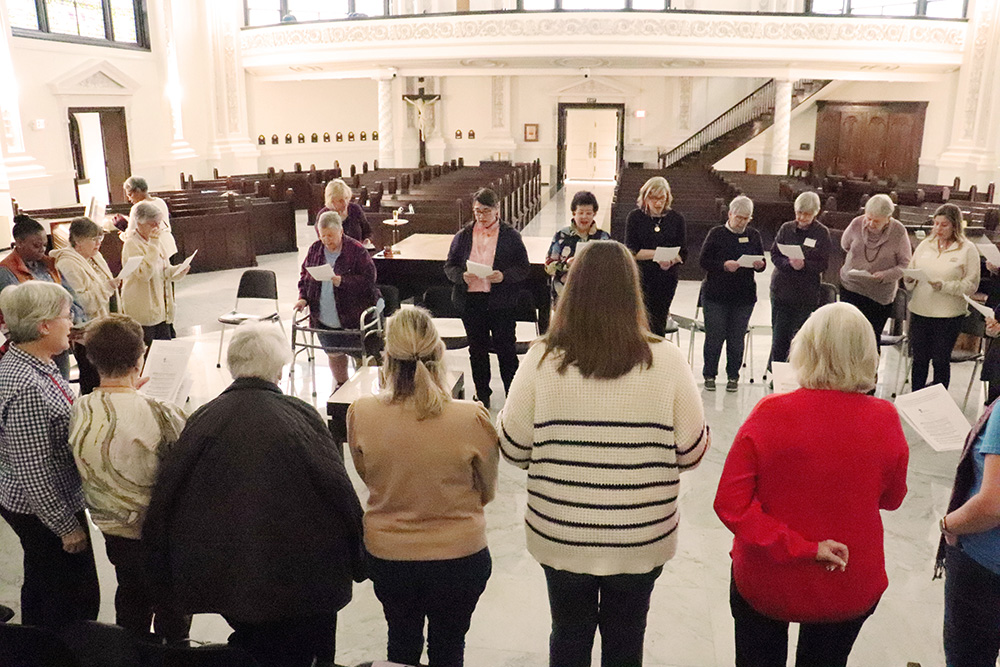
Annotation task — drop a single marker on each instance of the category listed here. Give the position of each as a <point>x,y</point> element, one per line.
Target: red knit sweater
<point>805,467</point>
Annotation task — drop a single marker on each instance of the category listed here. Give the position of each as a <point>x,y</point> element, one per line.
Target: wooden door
<point>115,151</point>
<point>905,136</point>
<point>883,137</point>
<point>827,140</point>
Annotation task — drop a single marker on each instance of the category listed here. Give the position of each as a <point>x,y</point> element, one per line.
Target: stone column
<point>973,152</point>
<point>782,126</point>
<point>386,129</point>
<point>180,149</point>
<point>12,139</point>
<point>499,138</point>
<point>231,148</point>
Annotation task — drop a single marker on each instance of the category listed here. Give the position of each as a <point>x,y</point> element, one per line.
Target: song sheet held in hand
<point>746,261</point>
<point>166,367</point>
<point>477,269</point>
<point>791,251</point>
<point>665,254</point>
<point>935,416</point>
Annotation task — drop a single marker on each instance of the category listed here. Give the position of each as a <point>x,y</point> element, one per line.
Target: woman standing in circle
<point>488,305</point>
<point>937,307</point>
<point>337,198</point>
<point>876,244</point>
<point>603,481</point>
<point>430,464</point>
<point>655,225</point>
<point>583,228</point>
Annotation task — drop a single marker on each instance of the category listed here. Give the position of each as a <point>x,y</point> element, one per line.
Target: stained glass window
<point>123,21</point>
<point>23,14</point>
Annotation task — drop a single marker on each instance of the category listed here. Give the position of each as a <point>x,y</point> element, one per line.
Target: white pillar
<point>782,126</point>
<point>386,130</point>
<point>12,139</point>
<point>973,152</point>
<point>500,138</point>
<point>231,147</point>
<point>180,149</point>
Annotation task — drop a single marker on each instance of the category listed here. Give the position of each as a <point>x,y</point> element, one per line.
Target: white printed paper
<point>187,262</point>
<point>860,273</point>
<point>166,367</point>
<point>990,252</point>
<point>95,211</point>
<point>935,416</point>
<point>916,274</point>
<point>663,254</point>
<point>783,377</point>
<point>130,267</point>
<point>321,272</point>
<point>477,269</point>
<point>985,311</point>
<point>791,251</point>
<point>747,261</point>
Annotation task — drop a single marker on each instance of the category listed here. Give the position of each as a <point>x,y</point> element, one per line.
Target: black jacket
<point>253,515</point>
<point>511,259</point>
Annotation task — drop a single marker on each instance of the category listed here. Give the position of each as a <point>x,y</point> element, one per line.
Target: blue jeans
<point>581,603</point>
<point>971,612</point>
<point>725,323</point>
<point>444,592</point>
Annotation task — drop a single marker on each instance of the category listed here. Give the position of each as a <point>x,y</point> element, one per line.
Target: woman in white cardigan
<point>148,292</point>
<point>604,416</point>
<point>937,307</point>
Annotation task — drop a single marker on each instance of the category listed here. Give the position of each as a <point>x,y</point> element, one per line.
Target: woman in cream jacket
<point>84,268</point>
<point>937,307</point>
<point>147,292</point>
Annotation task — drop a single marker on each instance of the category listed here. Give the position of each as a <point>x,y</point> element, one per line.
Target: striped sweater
<point>603,459</point>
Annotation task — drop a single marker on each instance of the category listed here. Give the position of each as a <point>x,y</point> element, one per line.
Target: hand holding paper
<point>477,269</point>
<point>985,311</point>
<point>990,252</point>
<point>321,272</point>
<point>916,274</point>
<point>791,251</point>
<point>860,273</point>
<point>747,261</point>
<point>187,262</point>
<point>130,266</point>
<point>663,254</point>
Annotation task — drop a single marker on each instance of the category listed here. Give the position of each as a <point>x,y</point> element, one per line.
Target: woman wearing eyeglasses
<point>655,225</point>
<point>488,304</point>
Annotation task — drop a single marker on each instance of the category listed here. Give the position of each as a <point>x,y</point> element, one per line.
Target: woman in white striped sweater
<point>602,479</point>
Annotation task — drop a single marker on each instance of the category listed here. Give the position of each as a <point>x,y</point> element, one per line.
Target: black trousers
<point>135,606</point>
<point>786,320</point>
<point>161,331</point>
<point>483,326</point>
<point>762,641</point>
<point>874,312</point>
<point>658,298</point>
<point>581,603</point>
<point>931,341</point>
<point>725,323</point>
<point>971,612</point>
<point>58,587</point>
<point>444,592</point>
<point>90,379</point>
<point>290,642</point>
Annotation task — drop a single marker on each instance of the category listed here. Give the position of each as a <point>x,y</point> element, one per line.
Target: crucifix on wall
<point>422,102</point>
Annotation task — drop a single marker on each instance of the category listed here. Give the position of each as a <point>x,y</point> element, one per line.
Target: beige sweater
<point>147,294</point>
<point>427,480</point>
<point>89,278</point>
<point>958,270</point>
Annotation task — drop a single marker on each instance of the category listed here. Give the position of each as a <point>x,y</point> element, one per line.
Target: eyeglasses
<point>482,211</point>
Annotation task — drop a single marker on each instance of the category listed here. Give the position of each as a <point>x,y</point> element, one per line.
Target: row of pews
<point>229,229</point>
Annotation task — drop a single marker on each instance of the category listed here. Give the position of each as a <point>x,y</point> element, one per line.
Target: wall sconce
<point>374,135</point>
<point>472,134</point>
<point>350,136</point>
<point>326,137</point>
<point>314,138</point>
<point>302,138</point>
<point>458,134</point>
<point>261,140</point>
<point>288,138</point>
<point>340,136</point>
<point>640,113</point>
<point>364,136</point>
<point>274,138</point>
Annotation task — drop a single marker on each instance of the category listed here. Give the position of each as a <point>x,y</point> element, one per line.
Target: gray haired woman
<point>878,250</point>
<point>253,515</point>
<point>729,292</point>
<point>40,493</point>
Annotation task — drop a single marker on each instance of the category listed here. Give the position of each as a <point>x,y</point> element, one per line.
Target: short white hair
<point>134,183</point>
<point>146,210</point>
<point>26,306</point>
<point>337,188</point>
<point>880,206</point>
<point>807,202</point>
<point>836,349</point>
<point>258,350</point>
<point>329,220</point>
<point>742,205</point>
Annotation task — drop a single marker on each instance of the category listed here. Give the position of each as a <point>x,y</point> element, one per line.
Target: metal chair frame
<point>254,284</point>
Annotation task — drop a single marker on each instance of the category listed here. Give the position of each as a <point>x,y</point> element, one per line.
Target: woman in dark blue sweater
<point>729,292</point>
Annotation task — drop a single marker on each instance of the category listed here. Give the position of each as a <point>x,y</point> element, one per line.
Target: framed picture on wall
<point>531,131</point>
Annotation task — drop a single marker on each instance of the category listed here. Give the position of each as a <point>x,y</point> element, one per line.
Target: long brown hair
<point>600,323</point>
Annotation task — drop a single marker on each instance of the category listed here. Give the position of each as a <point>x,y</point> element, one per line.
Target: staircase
<point>741,123</point>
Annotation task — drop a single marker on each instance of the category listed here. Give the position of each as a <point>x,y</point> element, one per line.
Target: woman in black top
<point>654,225</point>
<point>729,291</point>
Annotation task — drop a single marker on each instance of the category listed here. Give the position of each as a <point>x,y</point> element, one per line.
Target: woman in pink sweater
<point>430,464</point>
<point>801,490</point>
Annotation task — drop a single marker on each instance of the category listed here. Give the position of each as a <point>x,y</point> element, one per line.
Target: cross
<point>421,102</point>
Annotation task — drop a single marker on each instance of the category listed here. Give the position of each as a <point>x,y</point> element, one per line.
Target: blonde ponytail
<point>414,364</point>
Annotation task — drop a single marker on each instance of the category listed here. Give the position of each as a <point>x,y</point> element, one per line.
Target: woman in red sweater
<point>801,490</point>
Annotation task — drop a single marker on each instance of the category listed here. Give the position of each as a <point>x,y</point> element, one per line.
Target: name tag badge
<point>744,239</point>
<point>809,243</point>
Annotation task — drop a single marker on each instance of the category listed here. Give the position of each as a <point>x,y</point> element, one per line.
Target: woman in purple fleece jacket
<point>337,303</point>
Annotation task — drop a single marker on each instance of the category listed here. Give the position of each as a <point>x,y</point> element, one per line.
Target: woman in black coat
<point>488,304</point>
<point>253,516</point>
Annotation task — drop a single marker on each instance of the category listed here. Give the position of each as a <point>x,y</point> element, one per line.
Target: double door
<point>882,137</point>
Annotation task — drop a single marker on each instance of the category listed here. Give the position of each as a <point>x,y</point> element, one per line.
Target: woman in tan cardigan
<point>148,292</point>
<point>430,464</point>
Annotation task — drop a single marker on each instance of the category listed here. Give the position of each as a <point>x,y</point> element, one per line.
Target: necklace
<point>868,259</point>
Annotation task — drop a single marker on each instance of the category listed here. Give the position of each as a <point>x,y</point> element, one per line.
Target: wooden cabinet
<point>858,137</point>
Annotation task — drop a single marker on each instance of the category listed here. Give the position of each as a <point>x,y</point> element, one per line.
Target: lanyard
<point>69,398</point>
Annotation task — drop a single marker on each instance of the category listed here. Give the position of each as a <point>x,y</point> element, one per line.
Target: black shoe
<point>733,385</point>
<point>709,384</point>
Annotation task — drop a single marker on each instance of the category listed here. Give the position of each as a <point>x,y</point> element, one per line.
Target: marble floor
<point>689,620</point>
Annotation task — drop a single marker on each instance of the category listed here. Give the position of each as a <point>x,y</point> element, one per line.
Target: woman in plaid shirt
<point>40,493</point>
